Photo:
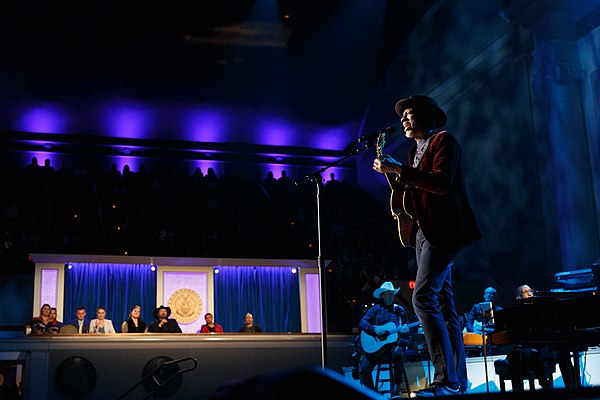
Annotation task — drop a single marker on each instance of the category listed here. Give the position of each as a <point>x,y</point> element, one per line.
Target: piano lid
<point>545,314</point>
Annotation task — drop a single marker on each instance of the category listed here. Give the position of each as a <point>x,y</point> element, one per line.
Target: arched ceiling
<point>285,73</point>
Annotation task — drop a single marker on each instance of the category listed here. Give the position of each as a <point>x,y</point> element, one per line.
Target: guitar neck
<point>410,326</point>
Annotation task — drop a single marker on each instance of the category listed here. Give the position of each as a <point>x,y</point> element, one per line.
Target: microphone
<point>371,136</point>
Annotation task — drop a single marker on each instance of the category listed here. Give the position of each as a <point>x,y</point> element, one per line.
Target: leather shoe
<point>436,389</point>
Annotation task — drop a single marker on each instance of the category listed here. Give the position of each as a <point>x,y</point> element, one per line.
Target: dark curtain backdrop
<point>116,287</point>
<point>270,294</point>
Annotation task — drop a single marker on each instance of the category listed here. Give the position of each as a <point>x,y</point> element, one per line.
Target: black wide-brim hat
<point>423,102</point>
<point>159,308</point>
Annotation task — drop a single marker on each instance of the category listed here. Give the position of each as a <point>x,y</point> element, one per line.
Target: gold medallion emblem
<point>186,305</point>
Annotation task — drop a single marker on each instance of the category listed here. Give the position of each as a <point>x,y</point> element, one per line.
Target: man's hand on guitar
<point>386,164</point>
<point>380,331</point>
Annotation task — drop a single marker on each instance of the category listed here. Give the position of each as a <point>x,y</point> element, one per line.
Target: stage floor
<point>420,373</point>
<point>119,362</point>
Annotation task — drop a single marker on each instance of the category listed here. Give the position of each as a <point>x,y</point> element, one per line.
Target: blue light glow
<point>127,121</point>
<point>48,118</point>
<point>276,134</point>
<point>207,125</point>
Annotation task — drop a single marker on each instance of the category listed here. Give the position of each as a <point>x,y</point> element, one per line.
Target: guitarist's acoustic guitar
<point>372,344</point>
<point>400,203</point>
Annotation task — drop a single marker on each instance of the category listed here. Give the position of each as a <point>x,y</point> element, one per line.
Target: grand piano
<point>564,321</point>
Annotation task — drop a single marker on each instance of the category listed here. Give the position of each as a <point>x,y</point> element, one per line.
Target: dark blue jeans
<point>370,360</point>
<point>433,300</point>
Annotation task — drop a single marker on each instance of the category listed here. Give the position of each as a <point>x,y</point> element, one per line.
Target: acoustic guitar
<point>372,344</point>
<point>399,199</point>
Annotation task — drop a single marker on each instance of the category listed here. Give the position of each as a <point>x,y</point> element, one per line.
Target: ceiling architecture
<point>227,79</point>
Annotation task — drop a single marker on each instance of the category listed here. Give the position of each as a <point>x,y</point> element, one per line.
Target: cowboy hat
<point>385,287</point>
<point>159,308</point>
<point>423,102</point>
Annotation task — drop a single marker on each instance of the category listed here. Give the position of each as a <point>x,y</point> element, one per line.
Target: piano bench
<point>503,371</point>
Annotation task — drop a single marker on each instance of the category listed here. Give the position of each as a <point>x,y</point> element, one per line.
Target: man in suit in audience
<point>81,323</point>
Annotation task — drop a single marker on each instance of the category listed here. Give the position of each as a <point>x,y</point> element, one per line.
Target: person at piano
<point>474,322</point>
<point>524,292</point>
<point>527,358</point>
<point>565,361</point>
<point>383,327</point>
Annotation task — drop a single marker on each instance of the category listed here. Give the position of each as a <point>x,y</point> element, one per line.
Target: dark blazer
<point>438,195</point>
<point>86,325</point>
<point>170,327</point>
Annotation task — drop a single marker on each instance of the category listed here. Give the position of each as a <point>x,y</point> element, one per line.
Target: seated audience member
<point>43,324</point>
<point>474,321</point>
<point>162,323</point>
<point>210,326</point>
<point>134,323</point>
<point>53,315</point>
<point>81,322</point>
<point>382,322</point>
<point>101,324</point>
<point>249,325</point>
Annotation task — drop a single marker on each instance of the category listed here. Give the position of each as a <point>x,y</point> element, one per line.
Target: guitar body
<point>400,201</point>
<point>372,344</point>
<point>401,211</point>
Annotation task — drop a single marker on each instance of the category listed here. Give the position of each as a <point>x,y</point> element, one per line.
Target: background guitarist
<point>381,314</point>
<point>444,224</point>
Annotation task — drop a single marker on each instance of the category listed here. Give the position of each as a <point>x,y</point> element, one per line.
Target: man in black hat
<point>162,323</point>
<point>440,223</point>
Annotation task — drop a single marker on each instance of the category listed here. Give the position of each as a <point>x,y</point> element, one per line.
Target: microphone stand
<point>484,314</point>
<point>318,179</point>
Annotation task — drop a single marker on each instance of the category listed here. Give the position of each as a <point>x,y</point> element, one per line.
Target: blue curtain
<point>270,294</point>
<point>117,287</point>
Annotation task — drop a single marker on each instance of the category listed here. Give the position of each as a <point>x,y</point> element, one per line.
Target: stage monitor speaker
<point>10,383</point>
<point>75,377</point>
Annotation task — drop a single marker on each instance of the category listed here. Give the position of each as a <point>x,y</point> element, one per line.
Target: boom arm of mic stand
<point>317,174</point>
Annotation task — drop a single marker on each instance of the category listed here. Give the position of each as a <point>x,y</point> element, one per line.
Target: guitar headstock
<point>380,144</point>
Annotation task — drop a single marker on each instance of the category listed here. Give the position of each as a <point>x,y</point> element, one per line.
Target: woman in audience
<point>134,324</point>
<point>53,314</point>
<point>101,324</point>
<point>43,324</point>
<point>210,326</point>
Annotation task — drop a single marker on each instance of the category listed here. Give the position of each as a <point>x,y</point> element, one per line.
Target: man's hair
<point>520,289</point>
<point>81,308</point>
